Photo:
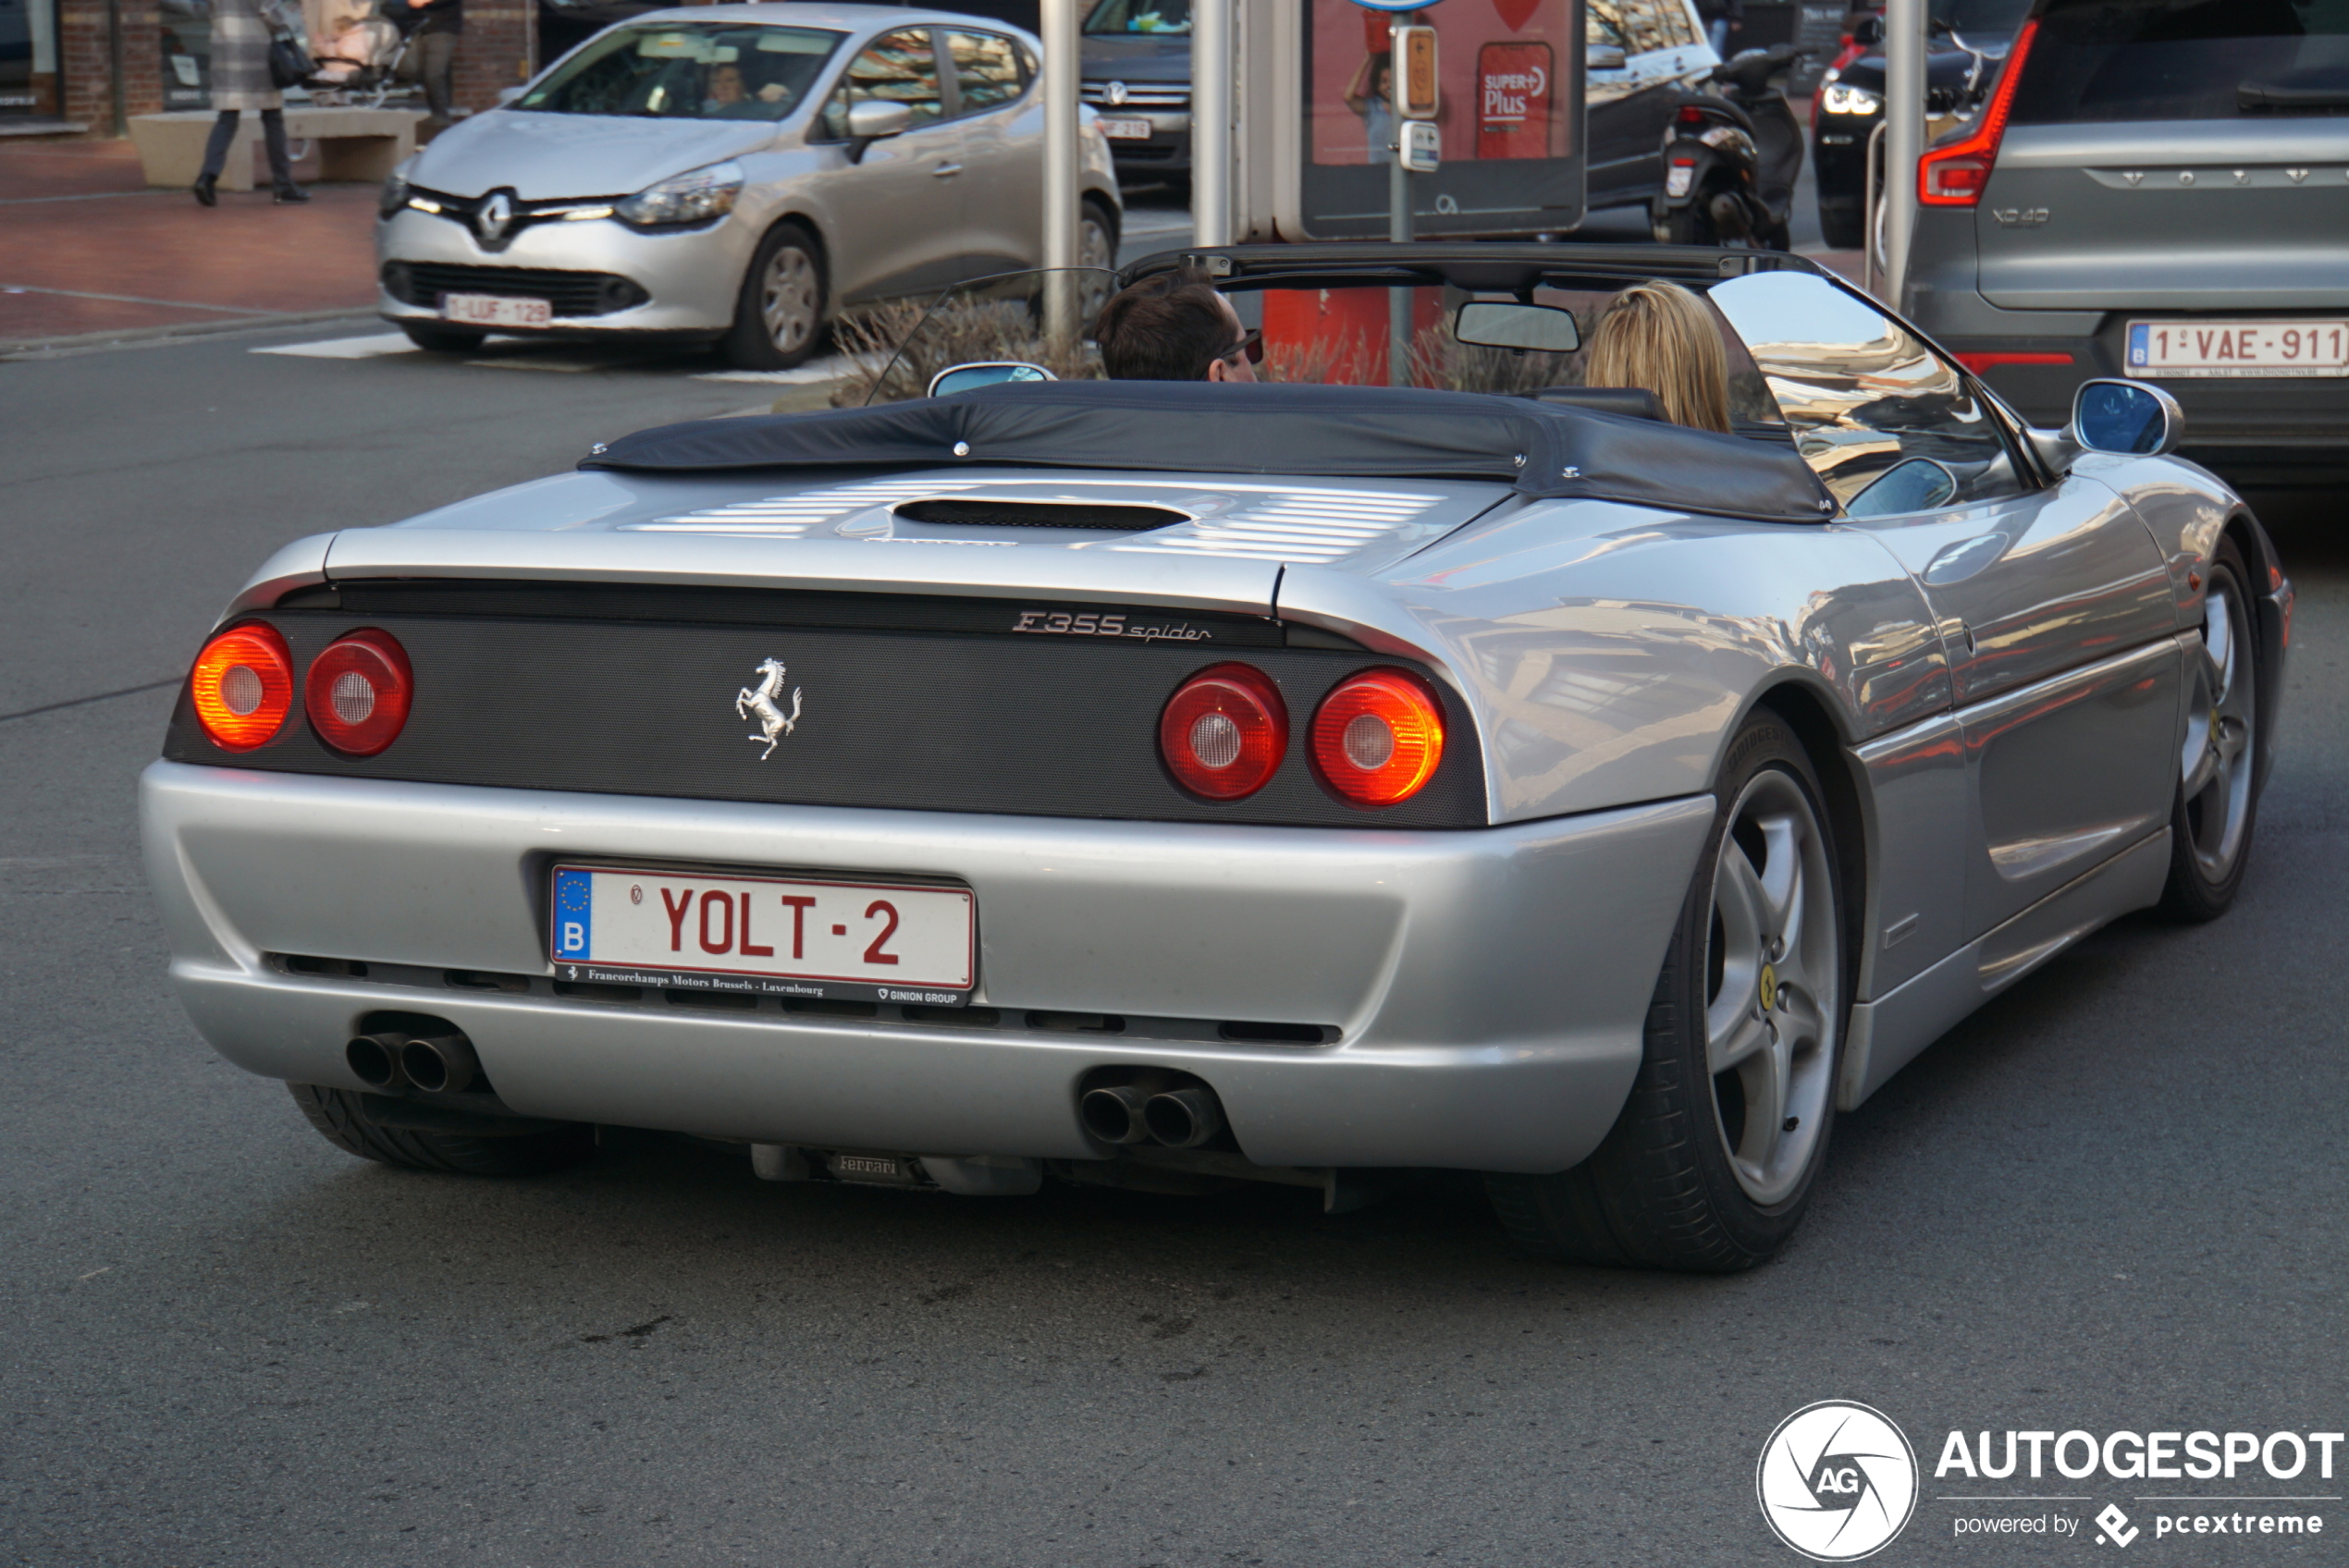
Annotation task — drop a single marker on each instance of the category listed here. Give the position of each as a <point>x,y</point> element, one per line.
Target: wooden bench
<point>353,144</point>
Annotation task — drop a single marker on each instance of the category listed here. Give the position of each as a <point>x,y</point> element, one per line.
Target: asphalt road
<point>2112,1200</point>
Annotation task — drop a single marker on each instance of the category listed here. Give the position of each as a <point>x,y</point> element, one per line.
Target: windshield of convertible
<point>1783,358</point>
<point>690,70</point>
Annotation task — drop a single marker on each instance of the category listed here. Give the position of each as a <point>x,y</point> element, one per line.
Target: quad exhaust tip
<point>1115,1114</point>
<point>390,1060</point>
<point>1183,1119</point>
<point>1181,1116</point>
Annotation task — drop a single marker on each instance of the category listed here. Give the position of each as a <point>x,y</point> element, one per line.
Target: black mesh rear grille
<point>571,293</point>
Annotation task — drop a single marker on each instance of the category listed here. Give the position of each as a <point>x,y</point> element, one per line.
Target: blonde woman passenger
<point>1662,337</point>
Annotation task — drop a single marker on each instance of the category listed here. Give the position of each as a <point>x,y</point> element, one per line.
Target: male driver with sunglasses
<point>1175,327</point>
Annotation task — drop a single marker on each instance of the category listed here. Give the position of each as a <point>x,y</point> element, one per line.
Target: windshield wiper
<point>2254,97</point>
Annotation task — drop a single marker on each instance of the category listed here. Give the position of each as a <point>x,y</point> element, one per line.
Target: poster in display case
<point>1511,116</point>
<point>31,87</point>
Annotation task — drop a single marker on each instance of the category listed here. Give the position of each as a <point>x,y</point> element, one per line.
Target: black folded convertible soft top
<point>1349,432</point>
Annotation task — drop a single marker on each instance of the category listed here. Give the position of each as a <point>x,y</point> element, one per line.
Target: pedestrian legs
<point>436,63</point>
<point>273,136</point>
<point>216,148</point>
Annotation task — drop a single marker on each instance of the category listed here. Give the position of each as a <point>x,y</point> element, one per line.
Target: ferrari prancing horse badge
<point>773,723</point>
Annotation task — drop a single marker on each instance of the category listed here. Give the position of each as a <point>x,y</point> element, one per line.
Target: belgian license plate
<point>1126,130</point>
<point>765,936</point>
<point>496,310</point>
<point>2238,347</point>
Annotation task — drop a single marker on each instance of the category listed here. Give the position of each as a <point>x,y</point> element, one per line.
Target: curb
<point>162,337</point>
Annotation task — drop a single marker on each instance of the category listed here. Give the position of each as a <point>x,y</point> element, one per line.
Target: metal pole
<point>1399,221</point>
<point>1904,24</point>
<point>114,56</point>
<point>1211,94</point>
<point>1063,71</point>
<point>1870,280</point>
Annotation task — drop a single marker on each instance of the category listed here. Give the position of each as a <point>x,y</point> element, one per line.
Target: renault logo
<point>1116,94</point>
<point>493,216</point>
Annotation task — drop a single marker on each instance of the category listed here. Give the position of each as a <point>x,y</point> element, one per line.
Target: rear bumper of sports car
<point>1479,994</point>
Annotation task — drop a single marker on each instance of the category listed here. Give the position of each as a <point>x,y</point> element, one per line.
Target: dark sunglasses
<point>1251,343</point>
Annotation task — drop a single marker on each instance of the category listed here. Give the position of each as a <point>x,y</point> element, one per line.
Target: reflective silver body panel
<point>1489,985</point>
<point>1992,694</point>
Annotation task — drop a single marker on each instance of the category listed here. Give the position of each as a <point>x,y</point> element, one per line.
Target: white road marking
<point>830,369</point>
<point>365,347</point>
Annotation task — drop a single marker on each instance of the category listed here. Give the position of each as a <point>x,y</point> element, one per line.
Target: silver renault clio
<point>735,178</point>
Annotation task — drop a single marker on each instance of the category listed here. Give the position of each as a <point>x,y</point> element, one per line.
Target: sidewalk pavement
<point>87,247</point>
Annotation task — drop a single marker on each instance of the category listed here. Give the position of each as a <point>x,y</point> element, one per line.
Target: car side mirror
<point>986,373</point>
<point>508,94</point>
<point>2126,416</point>
<point>874,120</point>
<point>1499,324</point>
<point>1604,58</point>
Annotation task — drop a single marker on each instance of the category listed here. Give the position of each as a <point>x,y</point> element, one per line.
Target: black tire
<point>779,316</point>
<point>1663,1190</point>
<point>1096,235</point>
<point>1843,227</point>
<point>1683,225</point>
<point>2210,833</point>
<point>340,1119</point>
<point>435,340</point>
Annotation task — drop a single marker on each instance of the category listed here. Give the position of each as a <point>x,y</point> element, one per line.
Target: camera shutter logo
<point>1836,1481</point>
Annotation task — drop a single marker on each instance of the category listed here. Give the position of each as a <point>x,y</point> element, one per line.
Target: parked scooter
<point>1732,157</point>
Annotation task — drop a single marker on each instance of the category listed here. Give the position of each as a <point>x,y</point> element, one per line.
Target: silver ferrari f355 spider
<point>1165,784</point>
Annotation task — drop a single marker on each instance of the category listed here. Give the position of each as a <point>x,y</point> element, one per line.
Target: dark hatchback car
<point>1970,37</point>
<point>1137,77</point>
<point>2156,189</point>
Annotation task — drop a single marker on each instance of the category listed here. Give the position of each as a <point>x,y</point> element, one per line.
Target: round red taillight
<point>242,686</point>
<point>1224,731</point>
<point>1378,737</point>
<point>358,691</point>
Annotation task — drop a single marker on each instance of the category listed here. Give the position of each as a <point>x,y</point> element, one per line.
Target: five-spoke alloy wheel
<point>2210,826</point>
<point>1772,978</point>
<point>1711,1163</point>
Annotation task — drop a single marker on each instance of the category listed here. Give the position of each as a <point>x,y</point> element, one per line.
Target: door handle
<point>946,171</point>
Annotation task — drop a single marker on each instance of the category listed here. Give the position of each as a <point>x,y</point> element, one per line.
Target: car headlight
<point>394,194</point>
<point>1838,99</point>
<point>696,196</point>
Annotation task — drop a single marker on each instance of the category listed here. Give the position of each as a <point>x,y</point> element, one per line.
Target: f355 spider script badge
<point>773,723</point>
